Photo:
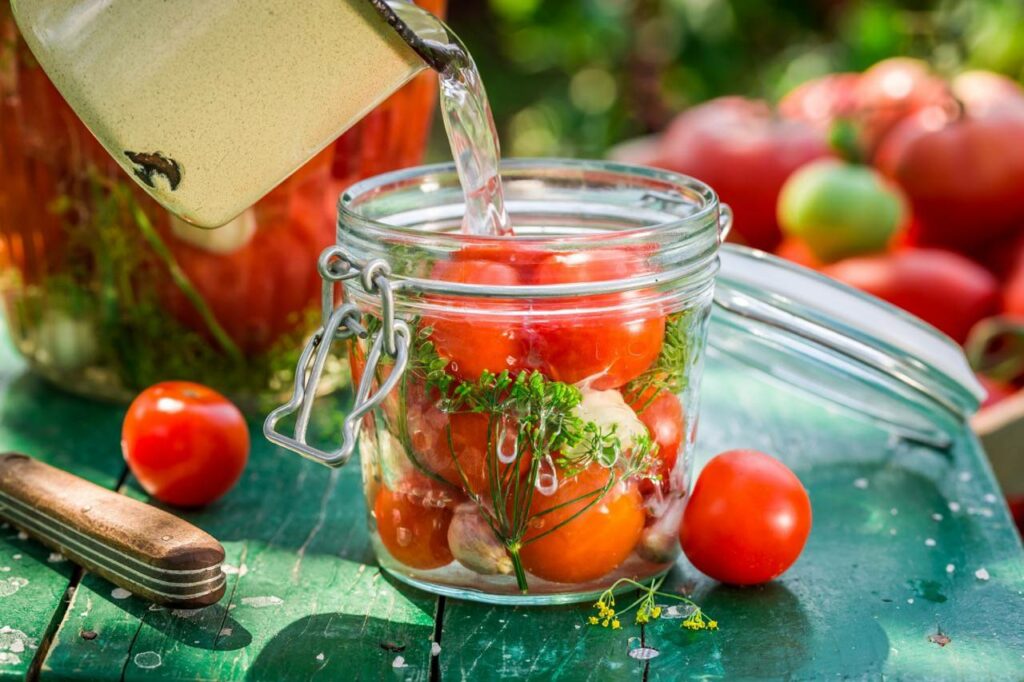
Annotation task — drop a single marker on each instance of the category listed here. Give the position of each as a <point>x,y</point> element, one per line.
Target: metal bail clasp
<point>340,323</point>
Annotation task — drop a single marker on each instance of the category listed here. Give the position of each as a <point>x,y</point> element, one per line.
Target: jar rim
<point>673,223</point>
<point>349,215</point>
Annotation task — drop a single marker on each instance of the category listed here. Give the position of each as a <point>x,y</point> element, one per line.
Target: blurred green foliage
<point>572,77</point>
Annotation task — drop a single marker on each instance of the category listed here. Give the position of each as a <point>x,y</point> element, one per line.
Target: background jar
<point>105,293</point>
<point>537,447</point>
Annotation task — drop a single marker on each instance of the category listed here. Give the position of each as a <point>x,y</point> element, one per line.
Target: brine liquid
<point>474,143</point>
<point>210,104</point>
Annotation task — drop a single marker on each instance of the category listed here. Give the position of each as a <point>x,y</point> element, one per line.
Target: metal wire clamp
<point>340,323</point>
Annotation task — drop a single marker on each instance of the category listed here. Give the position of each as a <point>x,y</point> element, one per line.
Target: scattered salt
<point>435,648</point>
<point>399,662</point>
<point>950,568</point>
<point>954,506</point>
<point>982,574</point>
<point>120,593</point>
<point>990,498</point>
<point>910,601</point>
<point>320,656</point>
<point>894,511</point>
<point>226,632</point>
<point>929,542</point>
<point>965,476</point>
<point>892,531</point>
<point>228,569</point>
<point>148,660</point>
<point>22,535</point>
<point>55,558</point>
<point>16,557</point>
<point>262,602</point>
<point>861,483</point>
<point>936,516</point>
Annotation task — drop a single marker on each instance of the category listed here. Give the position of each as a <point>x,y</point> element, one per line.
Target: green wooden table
<point>888,586</point>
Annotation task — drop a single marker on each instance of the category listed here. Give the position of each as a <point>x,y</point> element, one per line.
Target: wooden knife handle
<point>138,547</point>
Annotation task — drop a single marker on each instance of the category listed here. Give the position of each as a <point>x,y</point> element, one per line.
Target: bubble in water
<point>508,441</point>
<point>547,477</point>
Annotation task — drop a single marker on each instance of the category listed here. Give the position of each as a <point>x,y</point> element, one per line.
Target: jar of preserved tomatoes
<point>526,404</point>
<point>105,293</point>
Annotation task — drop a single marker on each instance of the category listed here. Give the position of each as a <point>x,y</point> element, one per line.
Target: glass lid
<point>855,350</point>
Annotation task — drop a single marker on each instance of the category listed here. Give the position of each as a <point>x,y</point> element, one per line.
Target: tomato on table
<point>747,519</point>
<point>185,443</point>
<point>475,341</point>
<point>414,534</point>
<point>593,543</point>
<point>662,414</point>
<point>608,339</point>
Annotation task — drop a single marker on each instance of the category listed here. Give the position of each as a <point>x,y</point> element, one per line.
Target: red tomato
<point>415,535</point>
<point>663,417</point>
<point>963,174</point>
<point>984,90</point>
<point>185,443</point>
<point>745,152</point>
<point>1013,287</point>
<point>944,289</point>
<point>610,348</point>
<point>822,100</point>
<point>747,519</point>
<point>890,91</point>
<point>593,543</point>
<point>522,257</point>
<point>475,341</point>
<point>793,249</point>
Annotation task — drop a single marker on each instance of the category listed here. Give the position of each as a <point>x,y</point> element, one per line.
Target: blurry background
<point>572,77</point>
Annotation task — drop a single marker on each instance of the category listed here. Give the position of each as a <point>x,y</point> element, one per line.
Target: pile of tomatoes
<point>430,501</point>
<point>896,181</point>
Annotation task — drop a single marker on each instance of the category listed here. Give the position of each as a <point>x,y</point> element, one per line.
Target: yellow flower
<point>604,623</point>
<point>713,624</point>
<point>616,624</point>
<point>592,620</point>
<point>656,612</point>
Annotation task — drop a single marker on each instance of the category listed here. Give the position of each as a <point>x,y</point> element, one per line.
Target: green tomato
<point>840,209</point>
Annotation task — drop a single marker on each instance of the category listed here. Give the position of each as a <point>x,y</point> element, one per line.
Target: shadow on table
<point>338,646</point>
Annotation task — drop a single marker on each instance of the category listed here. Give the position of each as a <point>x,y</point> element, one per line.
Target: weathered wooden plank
<point>304,597</point>
<point>78,435</point>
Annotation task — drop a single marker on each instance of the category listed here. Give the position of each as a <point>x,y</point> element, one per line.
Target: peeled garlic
<point>474,545</point>
<point>607,409</point>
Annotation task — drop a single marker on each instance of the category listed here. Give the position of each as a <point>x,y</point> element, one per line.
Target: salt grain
<point>320,656</point>
<point>894,511</point>
<point>644,653</point>
<point>22,535</point>
<point>950,568</point>
<point>929,542</point>
<point>120,593</point>
<point>990,498</point>
<point>954,506</point>
<point>965,476</point>
<point>982,574</point>
<point>936,517</point>
<point>861,483</point>
<point>910,601</point>
<point>16,557</point>
<point>55,558</point>
<point>435,648</point>
<point>399,662</point>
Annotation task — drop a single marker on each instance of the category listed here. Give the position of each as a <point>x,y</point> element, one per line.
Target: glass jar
<point>105,293</point>
<point>527,405</point>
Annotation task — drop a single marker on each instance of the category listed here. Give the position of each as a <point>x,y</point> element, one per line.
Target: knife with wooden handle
<point>148,552</point>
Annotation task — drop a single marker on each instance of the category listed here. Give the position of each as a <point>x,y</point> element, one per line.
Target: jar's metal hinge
<point>339,323</point>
